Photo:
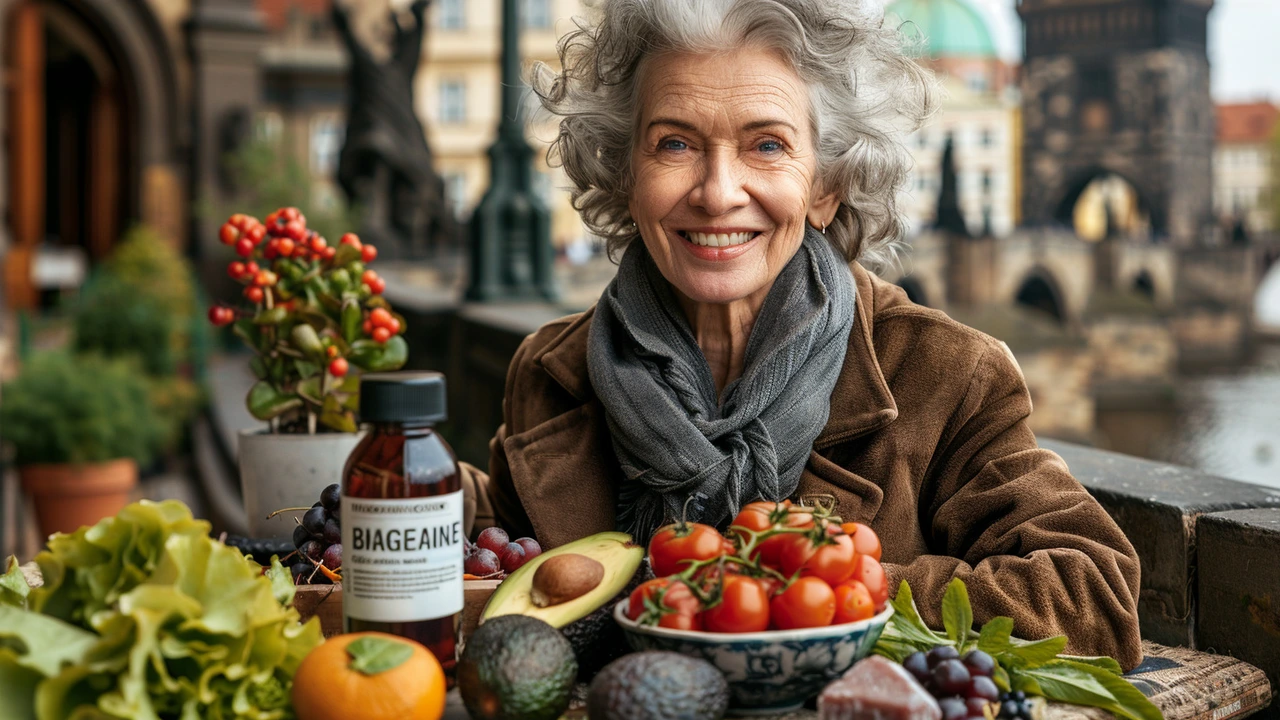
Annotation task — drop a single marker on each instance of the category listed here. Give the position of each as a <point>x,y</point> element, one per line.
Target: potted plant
<point>314,316</point>
<point>79,426</point>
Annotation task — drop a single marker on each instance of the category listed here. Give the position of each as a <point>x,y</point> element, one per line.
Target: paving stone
<point>1157,506</point>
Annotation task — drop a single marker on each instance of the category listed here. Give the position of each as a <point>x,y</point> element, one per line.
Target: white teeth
<point>719,239</point>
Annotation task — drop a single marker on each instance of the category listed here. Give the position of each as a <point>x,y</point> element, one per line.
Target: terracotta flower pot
<point>69,496</point>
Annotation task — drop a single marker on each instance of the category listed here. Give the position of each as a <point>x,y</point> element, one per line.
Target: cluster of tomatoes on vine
<point>779,567</point>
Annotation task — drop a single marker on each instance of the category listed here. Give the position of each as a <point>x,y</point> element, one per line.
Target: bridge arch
<point>1040,291</point>
<point>1266,303</point>
<point>1144,284</point>
<point>1085,197</point>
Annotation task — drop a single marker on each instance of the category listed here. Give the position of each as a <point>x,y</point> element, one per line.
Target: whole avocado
<point>516,667</point>
<point>658,685</point>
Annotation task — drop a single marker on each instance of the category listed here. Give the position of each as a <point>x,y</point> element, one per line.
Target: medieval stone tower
<point>1119,86</point>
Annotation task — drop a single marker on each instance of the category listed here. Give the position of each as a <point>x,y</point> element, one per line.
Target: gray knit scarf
<point>671,436</point>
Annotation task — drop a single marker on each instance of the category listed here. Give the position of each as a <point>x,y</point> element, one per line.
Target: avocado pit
<point>563,578</point>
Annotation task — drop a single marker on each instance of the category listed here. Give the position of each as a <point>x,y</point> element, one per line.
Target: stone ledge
<point>1239,587</point>
<point>1157,506</point>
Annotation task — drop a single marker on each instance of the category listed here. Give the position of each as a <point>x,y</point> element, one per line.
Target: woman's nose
<point>721,187</point>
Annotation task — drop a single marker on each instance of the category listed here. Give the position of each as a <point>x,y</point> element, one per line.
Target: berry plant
<point>314,314</point>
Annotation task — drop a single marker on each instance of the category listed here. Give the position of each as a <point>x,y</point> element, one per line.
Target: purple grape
<point>332,531</point>
<point>331,496</point>
<point>953,708</point>
<point>512,557</point>
<point>332,557</point>
<point>314,520</point>
<point>301,571</point>
<point>531,548</point>
<point>312,549</point>
<point>940,653</point>
<point>951,677</point>
<point>482,562</point>
<point>493,539</point>
<point>982,687</point>
<point>300,536</point>
<point>917,665</point>
<point>977,706</point>
<point>979,663</point>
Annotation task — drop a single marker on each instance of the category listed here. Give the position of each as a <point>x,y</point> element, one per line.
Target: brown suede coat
<point>927,443</point>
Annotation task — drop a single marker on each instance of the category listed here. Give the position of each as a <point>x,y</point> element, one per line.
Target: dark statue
<point>386,167</point>
<point>949,217</point>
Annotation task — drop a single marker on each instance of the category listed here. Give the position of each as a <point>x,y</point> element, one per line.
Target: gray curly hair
<point>866,95</point>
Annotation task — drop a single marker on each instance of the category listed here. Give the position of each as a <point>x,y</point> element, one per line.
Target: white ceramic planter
<point>281,471</point>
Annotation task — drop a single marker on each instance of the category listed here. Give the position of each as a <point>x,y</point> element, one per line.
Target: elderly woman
<point>744,156</point>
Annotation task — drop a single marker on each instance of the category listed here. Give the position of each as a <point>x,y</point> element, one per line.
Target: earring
<point>824,228</point>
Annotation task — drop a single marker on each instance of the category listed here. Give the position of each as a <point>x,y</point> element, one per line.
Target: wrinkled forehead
<point>740,85</point>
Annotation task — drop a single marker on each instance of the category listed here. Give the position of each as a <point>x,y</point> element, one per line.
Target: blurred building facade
<point>1244,165</point>
<point>980,115</point>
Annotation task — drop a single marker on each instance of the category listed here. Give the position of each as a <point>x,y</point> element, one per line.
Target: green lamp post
<point>511,254</point>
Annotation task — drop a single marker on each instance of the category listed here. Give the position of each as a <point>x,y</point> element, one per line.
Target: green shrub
<point>64,408</point>
<point>116,319</point>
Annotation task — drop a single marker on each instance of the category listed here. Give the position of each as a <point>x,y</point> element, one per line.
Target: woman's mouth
<point>702,239</point>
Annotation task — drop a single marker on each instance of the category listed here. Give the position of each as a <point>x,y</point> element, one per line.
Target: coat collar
<point>860,403</point>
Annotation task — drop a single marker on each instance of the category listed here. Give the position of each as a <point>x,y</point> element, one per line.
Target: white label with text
<point>402,559</point>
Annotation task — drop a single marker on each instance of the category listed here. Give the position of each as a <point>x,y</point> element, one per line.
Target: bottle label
<point>402,559</point>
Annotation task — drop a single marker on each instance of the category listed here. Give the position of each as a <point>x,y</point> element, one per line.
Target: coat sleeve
<point>1029,542</point>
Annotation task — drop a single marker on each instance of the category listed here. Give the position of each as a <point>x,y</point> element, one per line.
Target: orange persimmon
<point>373,676</point>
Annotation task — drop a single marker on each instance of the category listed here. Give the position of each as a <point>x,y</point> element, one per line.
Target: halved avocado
<point>614,550</point>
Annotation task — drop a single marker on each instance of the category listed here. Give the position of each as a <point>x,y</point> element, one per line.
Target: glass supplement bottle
<point>402,533</point>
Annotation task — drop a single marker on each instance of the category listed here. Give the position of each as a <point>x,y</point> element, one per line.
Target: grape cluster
<point>494,553</point>
<point>1015,706</point>
<point>962,685</point>
<point>260,550</point>
<point>318,540</point>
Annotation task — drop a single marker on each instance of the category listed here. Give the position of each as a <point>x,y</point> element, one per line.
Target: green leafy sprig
<point>1034,667</point>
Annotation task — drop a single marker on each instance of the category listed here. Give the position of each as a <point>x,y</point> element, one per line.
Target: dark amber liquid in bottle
<point>398,461</point>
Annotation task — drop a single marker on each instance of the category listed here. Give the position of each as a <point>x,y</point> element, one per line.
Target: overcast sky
<point>1244,49</point>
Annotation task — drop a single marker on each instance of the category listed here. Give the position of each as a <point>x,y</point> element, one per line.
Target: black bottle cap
<point>404,397</point>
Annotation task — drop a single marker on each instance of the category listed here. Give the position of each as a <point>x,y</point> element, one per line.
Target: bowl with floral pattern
<point>772,671</point>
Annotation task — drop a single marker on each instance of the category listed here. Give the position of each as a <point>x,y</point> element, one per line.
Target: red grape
<point>979,663</point>
<point>917,665</point>
<point>482,562</point>
<point>940,653</point>
<point>531,548</point>
<point>977,707</point>
<point>512,557</point>
<point>953,708</point>
<point>983,687</point>
<point>950,677</point>
<point>312,549</point>
<point>332,556</point>
<point>493,539</point>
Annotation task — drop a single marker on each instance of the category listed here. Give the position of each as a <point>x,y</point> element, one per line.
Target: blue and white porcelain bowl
<point>772,671</point>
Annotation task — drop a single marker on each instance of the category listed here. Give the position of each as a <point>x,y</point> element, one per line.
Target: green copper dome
<point>951,27</point>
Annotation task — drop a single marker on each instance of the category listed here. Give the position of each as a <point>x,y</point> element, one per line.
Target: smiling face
<point>725,171</point>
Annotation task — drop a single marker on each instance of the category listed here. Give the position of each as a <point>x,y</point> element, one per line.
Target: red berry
<point>318,244</point>
<point>380,318</point>
<point>381,335</point>
<point>394,326</point>
<point>295,231</point>
<point>377,286</point>
<point>251,268</point>
<point>244,247</point>
<point>270,222</point>
<point>272,249</point>
<point>350,239</point>
<point>329,253</point>
<point>285,247</point>
<point>240,220</point>
<point>289,213</point>
<point>220,316</point>
<point>367,327</point>
<point>254,294</point>
<point>331,351</point>
<point>368,253</point>
<point>236,270</point>
<point>229,234</point>
<point>338,367</point>
<point>265,278</point>
<point>368,277</point>
<point>256,233</point>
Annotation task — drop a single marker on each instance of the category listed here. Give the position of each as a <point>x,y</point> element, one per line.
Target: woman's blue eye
<point>673,145</point>
<point>770,146</point>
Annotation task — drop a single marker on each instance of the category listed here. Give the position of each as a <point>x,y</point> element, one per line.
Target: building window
<point>268,127</point>
<point>453,14</point>
<point>986,181</point>
<point>327,132</point>
<point>986,138</point>
<point>453,101</point>
<point>986,220</point>
<point>977,82</point>
<point>536,14</point>
<point>455,193</point>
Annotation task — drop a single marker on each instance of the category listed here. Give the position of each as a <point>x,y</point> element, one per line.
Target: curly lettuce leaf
<point>13,585</point>
<point>42,643</point>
